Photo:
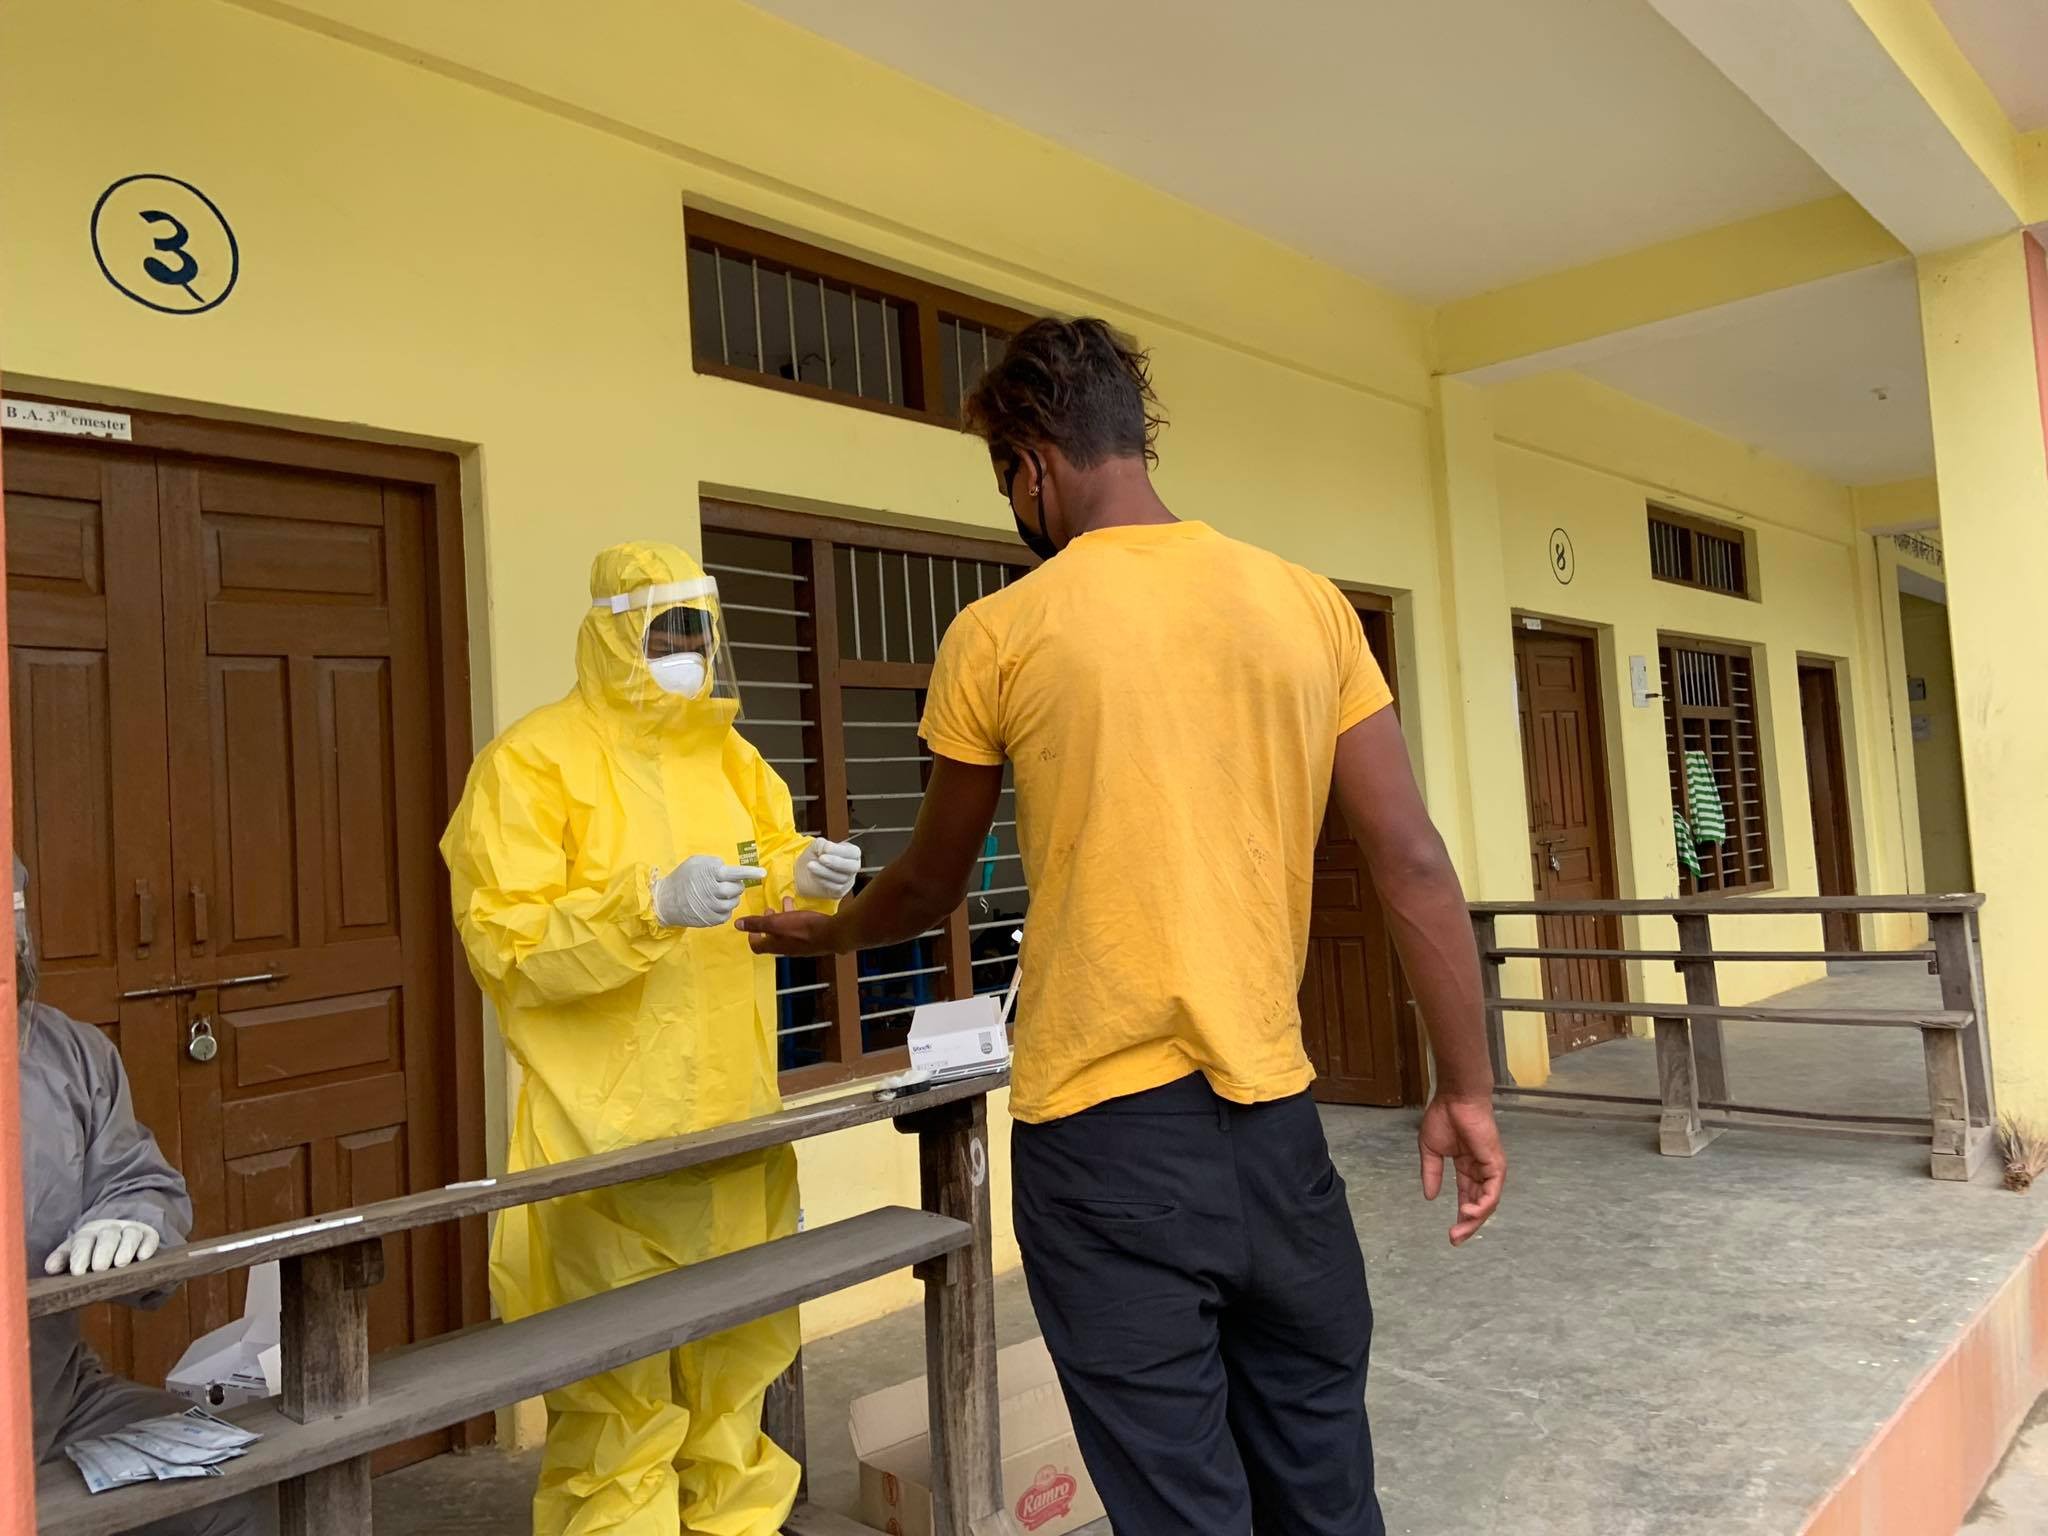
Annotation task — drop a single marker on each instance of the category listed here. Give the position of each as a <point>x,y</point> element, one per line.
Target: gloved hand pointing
<point>825,871</point>
<point>98,1245</point>
<point>701,892</point>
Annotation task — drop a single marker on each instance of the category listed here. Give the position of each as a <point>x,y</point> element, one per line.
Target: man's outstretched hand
<point>789,932</point>
<point>1462,1131</point>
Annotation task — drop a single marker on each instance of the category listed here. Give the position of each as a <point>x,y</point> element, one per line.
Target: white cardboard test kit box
<point>1044,1484</point>
<point>239,1362</point>
<point>959,1038</point>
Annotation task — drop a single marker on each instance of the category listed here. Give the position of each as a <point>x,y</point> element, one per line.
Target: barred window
<point>834,627</point>
<point>769,310</point>
<point>1695,553</point>
<point>1710,708</point>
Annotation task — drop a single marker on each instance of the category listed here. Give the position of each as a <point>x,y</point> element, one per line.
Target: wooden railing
<point>1693,1104</point>
<point>339,1404</point>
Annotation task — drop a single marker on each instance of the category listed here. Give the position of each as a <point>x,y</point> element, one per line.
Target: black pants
<point>1201,1289</point>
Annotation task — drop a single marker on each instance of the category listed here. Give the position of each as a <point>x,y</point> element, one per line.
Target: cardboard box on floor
<point>1044,1484</point>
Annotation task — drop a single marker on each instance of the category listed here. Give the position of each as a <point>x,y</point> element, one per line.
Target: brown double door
<point>1352,992</point>
<point>1827,790</point>
<point>224,794</point>
<point>1571,852</point>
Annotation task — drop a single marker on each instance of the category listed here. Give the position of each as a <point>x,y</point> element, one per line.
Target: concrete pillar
<point>1490,838</point>
<point>1891,846</point>
<point>1984,314</point>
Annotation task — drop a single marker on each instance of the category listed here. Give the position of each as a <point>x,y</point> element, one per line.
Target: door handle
<point>200,926</point>
<point>191,988</point>
<point>260,979</point>
<point>145,915</point>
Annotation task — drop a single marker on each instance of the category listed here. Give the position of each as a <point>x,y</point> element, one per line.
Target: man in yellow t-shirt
<point>1176,708</point>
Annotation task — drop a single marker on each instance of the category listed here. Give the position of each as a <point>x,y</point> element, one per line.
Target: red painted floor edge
<point>1842,1511</point>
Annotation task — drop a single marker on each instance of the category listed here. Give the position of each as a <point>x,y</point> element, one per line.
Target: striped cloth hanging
<point>1688,855</point>
<point>1703,801</point>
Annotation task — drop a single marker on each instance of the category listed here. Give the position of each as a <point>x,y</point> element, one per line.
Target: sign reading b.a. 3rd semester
<point>64,420</point>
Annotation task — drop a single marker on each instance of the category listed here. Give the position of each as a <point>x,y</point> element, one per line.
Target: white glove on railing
<point>701,892</point>
<point>825,871</point>
<point>98,1245</point>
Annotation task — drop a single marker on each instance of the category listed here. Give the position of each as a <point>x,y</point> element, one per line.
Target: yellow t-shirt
<point>1171,701</point>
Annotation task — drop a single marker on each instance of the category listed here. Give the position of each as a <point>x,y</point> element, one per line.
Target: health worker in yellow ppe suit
<point>597,862</point>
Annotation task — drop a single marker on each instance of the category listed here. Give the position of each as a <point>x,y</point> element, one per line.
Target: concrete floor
<point>1635,1345</point>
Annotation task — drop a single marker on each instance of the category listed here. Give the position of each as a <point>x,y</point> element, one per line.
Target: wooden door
<point>1571,851</point>
<point>1827,790</point>
<point>85,633</point>
<point>1351,991</point>
<point>304,846</point>
<point>243,689</point>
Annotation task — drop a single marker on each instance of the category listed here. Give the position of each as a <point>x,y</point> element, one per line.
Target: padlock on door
<point>202,1046</point>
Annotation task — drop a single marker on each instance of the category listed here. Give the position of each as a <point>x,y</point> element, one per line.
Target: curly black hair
<point>1074,385</point>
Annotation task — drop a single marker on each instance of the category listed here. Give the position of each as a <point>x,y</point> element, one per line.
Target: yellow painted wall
<point>434,254</point>
<point>458,227</point>
<point>1576,455</point>
<point>1937,755</point>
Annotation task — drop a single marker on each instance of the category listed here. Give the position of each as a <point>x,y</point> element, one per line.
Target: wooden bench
<point>1692,1103</point>
<point>339,1404</point>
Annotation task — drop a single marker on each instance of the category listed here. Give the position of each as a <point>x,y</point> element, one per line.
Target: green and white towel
<point>1703,801</point>
<point>1688,856</point>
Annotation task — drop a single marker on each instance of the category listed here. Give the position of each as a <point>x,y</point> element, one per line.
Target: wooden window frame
<point>1695,528</point>
<point>1749,825</point>
<point>816,539</point>
<point>923,304</point>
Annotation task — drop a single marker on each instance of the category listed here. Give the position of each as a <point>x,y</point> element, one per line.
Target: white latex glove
<point>825,871</point>
<point>98,1245</point>
<point>701,892</point>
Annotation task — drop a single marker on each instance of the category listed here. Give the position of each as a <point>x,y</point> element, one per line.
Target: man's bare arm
<point>917,890</point>
<point>1375,788</point>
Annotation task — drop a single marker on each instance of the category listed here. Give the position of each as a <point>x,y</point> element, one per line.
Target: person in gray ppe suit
<point>98,1195</point>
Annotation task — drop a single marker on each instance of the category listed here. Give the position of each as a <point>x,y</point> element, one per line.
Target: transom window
<point>765,309</point>
<point>1695,553</point>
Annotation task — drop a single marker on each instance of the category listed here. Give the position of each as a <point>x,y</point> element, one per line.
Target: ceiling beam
<point>1882,98</point>
<point>1570,318</point>
<point>1904,506</point>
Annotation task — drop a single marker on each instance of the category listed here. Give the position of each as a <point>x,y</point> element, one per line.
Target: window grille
<point>834,627</point>
<point>1710,706</point>
<point>765,309</point>
<point>1698,554</point>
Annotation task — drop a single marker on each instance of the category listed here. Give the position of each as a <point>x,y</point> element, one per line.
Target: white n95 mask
<point>683,673</point>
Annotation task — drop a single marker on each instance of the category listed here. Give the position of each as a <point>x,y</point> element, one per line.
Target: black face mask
<point>1035,540</point>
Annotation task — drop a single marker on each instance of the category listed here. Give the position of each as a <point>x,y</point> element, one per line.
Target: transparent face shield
<point>681,636</point>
